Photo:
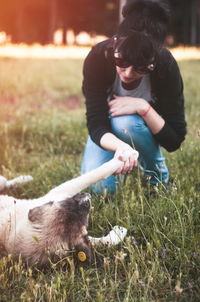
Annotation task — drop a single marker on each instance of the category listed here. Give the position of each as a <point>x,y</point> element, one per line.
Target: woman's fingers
<point>129,158</point>
<point>132,162</point>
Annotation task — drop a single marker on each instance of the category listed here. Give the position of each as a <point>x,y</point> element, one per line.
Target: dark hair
<point>147,16</point>
<point>136,49</point>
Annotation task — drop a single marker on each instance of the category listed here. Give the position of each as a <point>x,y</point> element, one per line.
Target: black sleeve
<point>95,89</point>
<point>170,104</point>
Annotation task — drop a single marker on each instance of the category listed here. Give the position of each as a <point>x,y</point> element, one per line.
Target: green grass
<point>41,135</point>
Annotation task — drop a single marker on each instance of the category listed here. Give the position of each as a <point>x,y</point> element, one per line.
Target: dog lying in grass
<point>55,223</point>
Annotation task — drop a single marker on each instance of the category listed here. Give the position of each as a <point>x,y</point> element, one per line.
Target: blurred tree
<point>185,21</point>
<point>121,4</point>
<point>53,16</point>
<point>36,20</point>
<point>195,23</point>
<point>25,21</point>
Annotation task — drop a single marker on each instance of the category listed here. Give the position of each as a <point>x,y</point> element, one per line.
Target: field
<point>43,133</point>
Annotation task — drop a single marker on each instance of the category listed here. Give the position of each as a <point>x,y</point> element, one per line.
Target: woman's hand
<point>128,155</point>
<point>122,150</point>
<point>123,105</point>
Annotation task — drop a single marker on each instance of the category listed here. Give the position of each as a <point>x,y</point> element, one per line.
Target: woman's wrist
<point>110,142</point>
<point>144,110</point>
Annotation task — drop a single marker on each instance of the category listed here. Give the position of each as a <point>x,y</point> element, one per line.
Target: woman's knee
<point>127,126</point>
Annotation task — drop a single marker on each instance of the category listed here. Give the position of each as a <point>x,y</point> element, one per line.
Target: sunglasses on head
<point>122,63</point>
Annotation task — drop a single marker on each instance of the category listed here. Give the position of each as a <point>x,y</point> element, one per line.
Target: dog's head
<point>63,225</point>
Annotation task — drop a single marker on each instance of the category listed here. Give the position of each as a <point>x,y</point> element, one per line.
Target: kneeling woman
<point>134,100</point>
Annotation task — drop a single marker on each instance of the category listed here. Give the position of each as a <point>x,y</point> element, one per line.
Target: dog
<point>55,223</point>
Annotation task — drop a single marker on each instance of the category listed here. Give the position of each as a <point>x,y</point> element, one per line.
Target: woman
<point>134,97</point>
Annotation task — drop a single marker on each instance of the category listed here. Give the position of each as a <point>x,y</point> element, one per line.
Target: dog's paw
<point>120,231</point>
<point>19,180</point>
<point>114,237</point>
<point>3,183</point>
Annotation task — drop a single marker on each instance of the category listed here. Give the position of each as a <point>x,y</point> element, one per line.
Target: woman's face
<point>128,74</point>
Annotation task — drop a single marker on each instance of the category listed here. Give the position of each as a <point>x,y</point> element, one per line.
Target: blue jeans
<point>132,130</point>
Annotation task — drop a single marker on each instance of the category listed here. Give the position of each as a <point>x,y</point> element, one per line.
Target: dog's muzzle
<point>85,201</point>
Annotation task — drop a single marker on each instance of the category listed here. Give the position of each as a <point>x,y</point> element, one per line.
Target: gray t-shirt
<point>142,91</point>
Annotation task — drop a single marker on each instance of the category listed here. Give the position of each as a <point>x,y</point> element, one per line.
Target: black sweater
<point>167,91</point>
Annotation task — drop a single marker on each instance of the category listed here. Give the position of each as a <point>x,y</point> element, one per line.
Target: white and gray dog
<point>55,223</point>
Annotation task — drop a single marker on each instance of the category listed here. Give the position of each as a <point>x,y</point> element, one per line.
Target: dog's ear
<point>35,214</point>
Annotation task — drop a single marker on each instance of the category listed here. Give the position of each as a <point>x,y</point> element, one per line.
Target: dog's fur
<point>53,224</point>
<point>52,228</point>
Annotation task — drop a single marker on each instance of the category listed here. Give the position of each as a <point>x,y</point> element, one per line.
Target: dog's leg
<point>6,184</point>
<point>3,183</point>
<point>19,180</point>
<point>114,237</point>
<point>76,185</point>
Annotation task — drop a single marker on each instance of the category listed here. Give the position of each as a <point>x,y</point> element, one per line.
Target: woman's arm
<point>130,105</point>
<point>169,129</point>
<point>122,151</point>
<point>168,94</point>
<point>98,76</point>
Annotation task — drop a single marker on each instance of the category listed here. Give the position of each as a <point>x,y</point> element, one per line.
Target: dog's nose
<point>85,201</point>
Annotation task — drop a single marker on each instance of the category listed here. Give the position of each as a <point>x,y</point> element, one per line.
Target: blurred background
<point>85,22</point>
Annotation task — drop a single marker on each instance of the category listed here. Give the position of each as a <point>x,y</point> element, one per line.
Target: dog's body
<point>52,224</point>
<point>35,232</point>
